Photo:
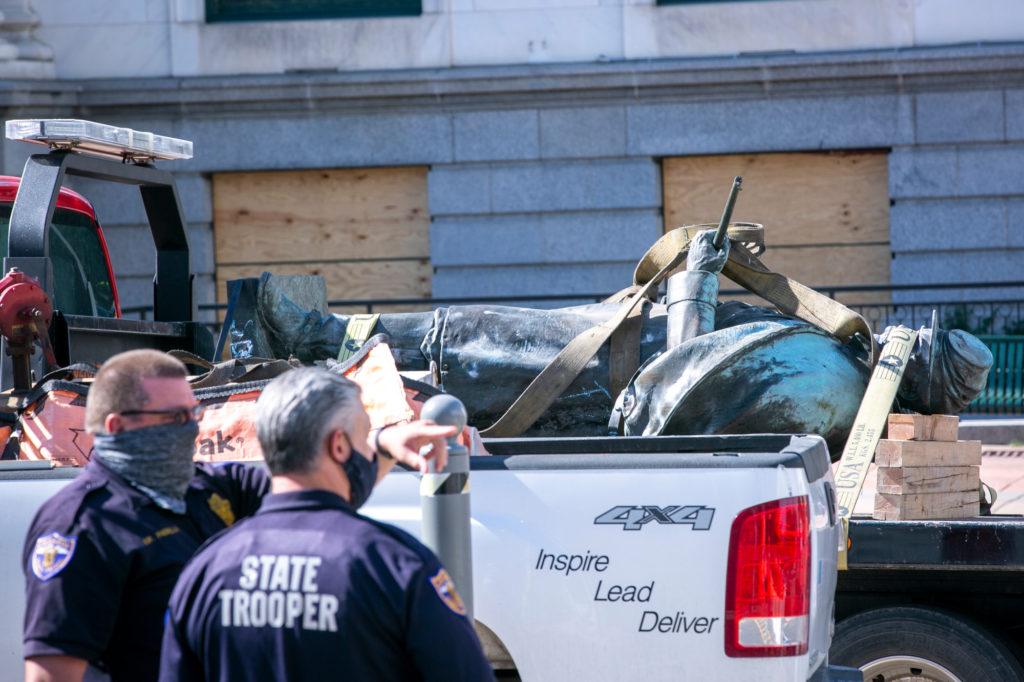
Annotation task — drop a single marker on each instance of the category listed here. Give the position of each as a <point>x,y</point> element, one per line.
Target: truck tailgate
<point>614,566</point>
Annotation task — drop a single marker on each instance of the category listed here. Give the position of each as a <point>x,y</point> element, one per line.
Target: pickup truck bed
<point>595,558</point>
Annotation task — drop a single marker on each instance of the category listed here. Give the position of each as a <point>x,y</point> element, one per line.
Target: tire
<point>912,643</point>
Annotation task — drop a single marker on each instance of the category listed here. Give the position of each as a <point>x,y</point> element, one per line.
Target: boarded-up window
<point>826,215</point>
<point>366,231</point>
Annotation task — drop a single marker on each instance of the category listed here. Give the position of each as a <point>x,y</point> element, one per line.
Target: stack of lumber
<point>924,472</point>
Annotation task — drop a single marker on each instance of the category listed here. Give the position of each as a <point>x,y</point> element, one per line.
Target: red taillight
<point>767,593</point>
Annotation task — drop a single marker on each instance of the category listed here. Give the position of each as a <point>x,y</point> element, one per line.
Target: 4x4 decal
<point>634,517</point>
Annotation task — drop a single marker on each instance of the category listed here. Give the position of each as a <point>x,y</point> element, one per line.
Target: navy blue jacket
<point>101,559</point>
<point>307,589</point>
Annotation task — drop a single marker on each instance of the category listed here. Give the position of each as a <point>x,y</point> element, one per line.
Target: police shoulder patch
<point>445,588</point>
<point>52,554</point>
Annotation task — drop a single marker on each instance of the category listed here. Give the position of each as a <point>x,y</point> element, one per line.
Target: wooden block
<point>911,480</point>
<point>918,453</point>
<point>960,505</point>
<point>935,427</point>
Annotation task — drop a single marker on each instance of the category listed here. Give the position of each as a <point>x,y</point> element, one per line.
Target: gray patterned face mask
<point>157,460</point>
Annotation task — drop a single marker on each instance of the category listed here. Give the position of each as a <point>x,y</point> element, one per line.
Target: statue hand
<point>704,256</point>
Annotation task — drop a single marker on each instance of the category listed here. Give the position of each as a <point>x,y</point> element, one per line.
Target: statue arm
<point>693,295</point>
<point>692,298</point>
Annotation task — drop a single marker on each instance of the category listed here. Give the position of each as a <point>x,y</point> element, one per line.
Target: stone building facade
<point>542,126</point>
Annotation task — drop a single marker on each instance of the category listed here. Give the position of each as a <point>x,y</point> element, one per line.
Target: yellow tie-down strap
<point>358,330</point>
<point>868,426</point>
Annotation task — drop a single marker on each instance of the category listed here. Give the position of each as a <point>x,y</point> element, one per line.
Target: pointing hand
<point>404,442</point>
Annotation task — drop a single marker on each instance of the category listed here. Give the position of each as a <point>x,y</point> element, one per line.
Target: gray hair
<point>296,412</point>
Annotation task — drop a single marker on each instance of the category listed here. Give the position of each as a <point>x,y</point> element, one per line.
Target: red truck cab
<point>84,281</point>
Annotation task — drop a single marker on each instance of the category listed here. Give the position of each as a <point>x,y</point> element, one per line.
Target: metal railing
<point>1005,317</point>
<point>977,317</point>
<point>1004,391</point>
<point>370,305</point>
<point>988,316</point>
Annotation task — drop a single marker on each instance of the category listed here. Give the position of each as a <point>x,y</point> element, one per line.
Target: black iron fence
<point>991,313</point>
<point>998,321</point>
<point>978,314</point>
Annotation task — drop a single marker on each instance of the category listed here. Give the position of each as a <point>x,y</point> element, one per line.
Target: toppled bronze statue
<point>704,367</point>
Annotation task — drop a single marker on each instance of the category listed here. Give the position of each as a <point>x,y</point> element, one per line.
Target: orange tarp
<point>52,426</point>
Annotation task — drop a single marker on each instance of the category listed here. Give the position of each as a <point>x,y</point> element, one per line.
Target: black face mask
<point>361,473</point>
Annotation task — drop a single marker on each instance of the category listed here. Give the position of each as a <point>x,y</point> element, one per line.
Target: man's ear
<point>338,447</point>
<point>112,423</point>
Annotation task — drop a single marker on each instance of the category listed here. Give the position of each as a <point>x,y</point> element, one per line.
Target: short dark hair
<point>296,412</point>
<point>117,387</point>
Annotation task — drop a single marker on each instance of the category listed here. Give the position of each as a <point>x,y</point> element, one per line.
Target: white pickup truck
<point>655,558</point>
<point>662,558</point>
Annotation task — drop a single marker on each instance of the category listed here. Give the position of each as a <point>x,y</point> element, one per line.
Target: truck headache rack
<point>77,338</point>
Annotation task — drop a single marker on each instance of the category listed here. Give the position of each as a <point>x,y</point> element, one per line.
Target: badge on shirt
<point>445,589</point>
<point>222,508</point>
<point>52,554</point>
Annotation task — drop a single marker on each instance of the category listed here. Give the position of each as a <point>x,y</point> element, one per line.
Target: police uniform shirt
<point>101,559</point>
<point>307,589</point>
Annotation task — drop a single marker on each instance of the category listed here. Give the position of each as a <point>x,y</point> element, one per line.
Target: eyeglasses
<point>179,416</point>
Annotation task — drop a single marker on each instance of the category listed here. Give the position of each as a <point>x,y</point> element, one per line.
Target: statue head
<point>946,371</point>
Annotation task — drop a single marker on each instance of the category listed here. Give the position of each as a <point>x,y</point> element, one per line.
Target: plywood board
<point>366,231</point>
<point>375,279</point>
<point>818,266</point>
<point>960,505</point>
<point>927,427</point>
<point>910,480</point>
<point>916,453</point>
<point>820,197</point>
<point>352,214</point>
<point>852,299</point>
<point>828,211</point>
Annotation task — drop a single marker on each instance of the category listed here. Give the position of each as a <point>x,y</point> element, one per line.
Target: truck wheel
<point>911,643</point>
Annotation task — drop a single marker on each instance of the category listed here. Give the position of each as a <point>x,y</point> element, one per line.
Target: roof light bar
<point>99,139</point>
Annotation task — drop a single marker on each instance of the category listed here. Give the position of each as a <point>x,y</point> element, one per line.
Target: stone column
<point>22,56</point>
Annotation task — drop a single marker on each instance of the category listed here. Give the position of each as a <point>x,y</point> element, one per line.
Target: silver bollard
<point>444,500</point>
